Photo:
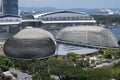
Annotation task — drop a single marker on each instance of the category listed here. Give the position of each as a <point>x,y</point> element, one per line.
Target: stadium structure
<point>64,17</point>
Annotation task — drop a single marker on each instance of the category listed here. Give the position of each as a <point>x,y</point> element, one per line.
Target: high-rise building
<point>1,6</point>
<point>9,7</point>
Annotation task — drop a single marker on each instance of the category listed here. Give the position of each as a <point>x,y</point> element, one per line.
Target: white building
<point>64,17</point>
<point>106,12</point>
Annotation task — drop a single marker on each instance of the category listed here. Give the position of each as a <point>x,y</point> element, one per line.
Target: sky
<point>66,4</point>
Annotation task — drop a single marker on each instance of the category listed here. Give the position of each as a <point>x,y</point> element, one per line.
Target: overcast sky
<point>71,3</point>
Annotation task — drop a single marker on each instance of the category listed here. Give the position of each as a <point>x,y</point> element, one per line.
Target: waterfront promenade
<point>1,52</point>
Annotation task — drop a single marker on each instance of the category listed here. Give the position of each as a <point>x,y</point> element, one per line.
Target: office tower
<point>9,7</point>
<point>1,6</point>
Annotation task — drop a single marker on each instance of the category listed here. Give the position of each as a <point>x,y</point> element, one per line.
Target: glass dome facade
<point>88,35</point>
<point>30,43</point>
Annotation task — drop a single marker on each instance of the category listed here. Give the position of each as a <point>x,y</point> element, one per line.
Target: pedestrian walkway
<point>107,64</point>
<point>20,75</point>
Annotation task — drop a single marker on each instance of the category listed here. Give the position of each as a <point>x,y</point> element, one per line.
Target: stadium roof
<point>55,12</point>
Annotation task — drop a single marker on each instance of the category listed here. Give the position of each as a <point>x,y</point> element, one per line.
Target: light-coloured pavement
<point>21,75</point>
<point>108,64</point>
<point>1,51</point>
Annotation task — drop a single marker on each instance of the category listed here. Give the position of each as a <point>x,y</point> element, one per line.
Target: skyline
<point>66,4</point>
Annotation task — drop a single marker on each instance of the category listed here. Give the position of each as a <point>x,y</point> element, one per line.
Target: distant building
<point>9,7</point>
<point>106,12</point>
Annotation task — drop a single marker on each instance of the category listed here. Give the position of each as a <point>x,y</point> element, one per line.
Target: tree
<point>107,20</point>
<point>119,42</point>
<point>108,53</point>
<point>69,73</point>
<point>42,75</point>
<point>117,53</point>
<point>73,56</point>
<point>100,74</point>
<point>5,63</point>
<point>116,73</point>
<point>65,69</point>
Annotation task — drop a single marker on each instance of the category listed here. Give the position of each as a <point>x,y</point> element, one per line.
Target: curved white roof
<point>64,17</point>
<point>61,11</point>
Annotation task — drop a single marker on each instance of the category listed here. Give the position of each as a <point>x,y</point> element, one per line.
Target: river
<point>116,32</point>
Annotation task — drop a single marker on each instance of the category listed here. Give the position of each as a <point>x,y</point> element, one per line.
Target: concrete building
<point>106,12</point>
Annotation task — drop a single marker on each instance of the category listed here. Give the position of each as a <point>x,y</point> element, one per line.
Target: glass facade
<point>10,7</point>
<point>30,43</point>
<point>88,35</point>
<point>1,6</point>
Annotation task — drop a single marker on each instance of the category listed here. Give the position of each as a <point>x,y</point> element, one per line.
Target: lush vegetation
<point>70,67</point>
<point>107,19</point>
<point>5,63</point>
<point>116,71</point>
<point>119,42</point>
<point>111,54</point>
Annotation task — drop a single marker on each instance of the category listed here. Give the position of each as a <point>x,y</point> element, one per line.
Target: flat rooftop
<point>64,49</point>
